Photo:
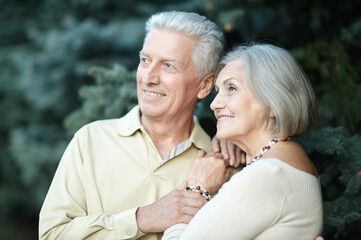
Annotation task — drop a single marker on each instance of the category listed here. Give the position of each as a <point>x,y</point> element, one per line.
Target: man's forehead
<point>168,45</point>
<point>180,60</point>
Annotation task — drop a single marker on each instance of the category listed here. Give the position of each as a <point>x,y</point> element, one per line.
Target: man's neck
<point>167,134</point>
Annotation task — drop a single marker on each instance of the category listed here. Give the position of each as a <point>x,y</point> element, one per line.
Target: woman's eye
<point>144,60</point>
<point>232,88</point>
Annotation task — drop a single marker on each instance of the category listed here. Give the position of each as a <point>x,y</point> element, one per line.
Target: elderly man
<point>117,177</point>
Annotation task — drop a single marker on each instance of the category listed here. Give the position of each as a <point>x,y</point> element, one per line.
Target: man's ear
<point>206,85</point>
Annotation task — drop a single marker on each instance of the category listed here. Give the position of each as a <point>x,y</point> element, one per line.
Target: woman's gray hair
<point>209,39</point>
<point>280,84</point>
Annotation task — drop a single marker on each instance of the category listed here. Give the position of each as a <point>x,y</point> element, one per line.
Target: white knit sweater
<point>267,200</point>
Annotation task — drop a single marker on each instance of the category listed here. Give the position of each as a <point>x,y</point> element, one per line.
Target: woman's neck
<point>253,144</point>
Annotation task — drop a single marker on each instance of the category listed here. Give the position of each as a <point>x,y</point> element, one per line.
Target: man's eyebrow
<point>177,61</point>
<point>170,59</point>
<point>143,53</point>
<point>173,60</point>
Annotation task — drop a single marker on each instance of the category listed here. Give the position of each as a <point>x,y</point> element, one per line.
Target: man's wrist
<point>140,220</point>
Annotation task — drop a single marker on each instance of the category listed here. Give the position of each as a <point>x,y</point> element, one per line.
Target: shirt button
<point>154,152</point>
<point>129,233</point>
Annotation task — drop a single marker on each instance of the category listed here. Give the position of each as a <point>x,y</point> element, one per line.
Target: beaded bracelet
<point>200,190</point>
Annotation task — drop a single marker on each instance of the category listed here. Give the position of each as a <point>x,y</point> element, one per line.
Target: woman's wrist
<point>200,190</point>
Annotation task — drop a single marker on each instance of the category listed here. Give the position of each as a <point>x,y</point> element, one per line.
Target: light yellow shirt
<point>109,169</point>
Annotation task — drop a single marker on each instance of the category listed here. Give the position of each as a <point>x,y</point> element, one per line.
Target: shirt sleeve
<point>64,212</point>
<point>249,203</point>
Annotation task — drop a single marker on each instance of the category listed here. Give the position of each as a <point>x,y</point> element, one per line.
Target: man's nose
<point>151,75</point>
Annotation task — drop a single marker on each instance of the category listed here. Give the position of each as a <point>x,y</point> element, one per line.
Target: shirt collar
<point>199,137</point>
<point>130,123</point>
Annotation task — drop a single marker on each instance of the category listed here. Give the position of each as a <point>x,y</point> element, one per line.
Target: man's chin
<point>151,110</point>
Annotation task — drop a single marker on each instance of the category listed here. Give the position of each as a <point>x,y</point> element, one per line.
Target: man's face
<point>166,77</point>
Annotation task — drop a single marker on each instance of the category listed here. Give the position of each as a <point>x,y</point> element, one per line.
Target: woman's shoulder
<point>286,177</point>
<point>291,153</point>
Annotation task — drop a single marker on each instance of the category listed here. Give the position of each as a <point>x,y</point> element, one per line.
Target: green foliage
<point>113,95</point>
<point>337,156</point>
<point>35,150</point>
<point>336,81</point>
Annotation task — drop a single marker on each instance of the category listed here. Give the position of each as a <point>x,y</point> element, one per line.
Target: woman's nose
<point>218,102</point>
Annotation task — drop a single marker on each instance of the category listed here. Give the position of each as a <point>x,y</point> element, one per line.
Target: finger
<point>218,155</point>
<point>185,219</point>
<point>238,157</point>
<point>190,211</point>
<point>243,157</point>
<point>182,186</point>
<point>231,151</point>
<point>228,174</point>
<point>193,199</point>
<point>224,149</point>
<point>200,154</point>
<point>215,144</point>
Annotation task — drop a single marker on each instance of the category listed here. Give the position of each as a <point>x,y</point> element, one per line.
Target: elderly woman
<point>263,99</point>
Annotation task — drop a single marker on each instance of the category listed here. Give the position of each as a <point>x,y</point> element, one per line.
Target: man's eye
<point>144,60</point>
<point>169,65</point>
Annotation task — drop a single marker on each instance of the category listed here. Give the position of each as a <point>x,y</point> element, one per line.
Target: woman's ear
<point>271,114</point>
<point>206,85</point>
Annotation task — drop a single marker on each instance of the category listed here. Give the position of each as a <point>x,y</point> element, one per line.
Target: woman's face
<point>238,111</point>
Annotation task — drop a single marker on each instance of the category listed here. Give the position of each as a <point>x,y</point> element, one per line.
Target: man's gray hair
<point>209,39</point>
<point>280,84</point>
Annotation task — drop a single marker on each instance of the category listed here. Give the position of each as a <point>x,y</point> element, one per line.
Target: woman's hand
<point>209,171</point>
<point>231,153</point>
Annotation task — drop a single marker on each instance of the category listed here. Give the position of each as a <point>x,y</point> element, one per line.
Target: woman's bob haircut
<point>280,84</point>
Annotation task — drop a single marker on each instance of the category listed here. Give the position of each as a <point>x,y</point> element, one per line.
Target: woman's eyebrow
<point>228,80</point>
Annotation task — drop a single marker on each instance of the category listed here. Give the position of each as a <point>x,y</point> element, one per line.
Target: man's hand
<point>231,153</point>
<point>209,172</point>
<point>178,206</point>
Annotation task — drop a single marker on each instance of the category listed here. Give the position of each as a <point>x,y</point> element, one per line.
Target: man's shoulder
<point>104,122</point>
<point>99,125</point>
<point>125,125</point>
<point>200,138</point>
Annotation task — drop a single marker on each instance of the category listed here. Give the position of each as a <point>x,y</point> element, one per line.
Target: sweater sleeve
<point>64,213</point>
<point>248,204</point>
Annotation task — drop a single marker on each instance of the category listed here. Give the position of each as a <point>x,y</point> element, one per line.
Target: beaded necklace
<point>264,149</point>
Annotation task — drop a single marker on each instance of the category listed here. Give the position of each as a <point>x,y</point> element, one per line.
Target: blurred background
<point>64,63</point>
